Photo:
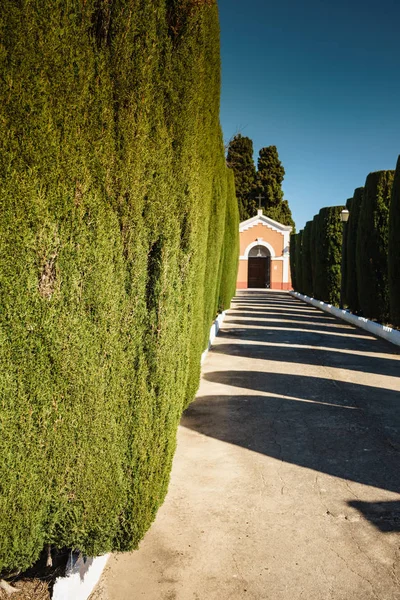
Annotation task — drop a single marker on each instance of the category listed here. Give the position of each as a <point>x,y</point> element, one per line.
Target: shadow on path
<point>345,429</point>
<point>384,515</point>
<point>328,356</point>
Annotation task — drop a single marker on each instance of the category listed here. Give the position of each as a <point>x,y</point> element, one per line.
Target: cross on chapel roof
<point>259,198</point>
<point>259,211</point>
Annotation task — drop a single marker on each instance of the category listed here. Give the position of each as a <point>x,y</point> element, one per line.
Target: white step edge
<point>382,331</point>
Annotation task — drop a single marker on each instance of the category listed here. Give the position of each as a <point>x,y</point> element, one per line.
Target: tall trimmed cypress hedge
<point>307,281</point>
<point>394,250</point>
<point>293,266</point>
<point>230,248</point>
<point>344,265</point>
<point>351,289</point>
<point>372,246</point>
<point>118,242</point>
<point>328,239</point>
<point>299,262</point>
<point>313,250</point>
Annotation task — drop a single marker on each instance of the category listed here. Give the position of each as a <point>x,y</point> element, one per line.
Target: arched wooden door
<point>259,268</point>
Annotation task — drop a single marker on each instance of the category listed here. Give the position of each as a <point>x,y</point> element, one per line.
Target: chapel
<point>264,254</point>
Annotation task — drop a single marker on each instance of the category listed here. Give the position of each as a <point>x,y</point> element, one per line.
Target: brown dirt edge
<point>36,583</point>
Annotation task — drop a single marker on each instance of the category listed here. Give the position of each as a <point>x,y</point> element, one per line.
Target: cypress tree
<point>306,260</point>
<point>372,246</point>
<point>116,208</point>
<point>270,176</point>
<point>343,284</point>
<point>240,160</point>
<point>351,289</point>
<point>394,250</point>
<point>313,251</point>
<point>230,248</point>
<point>328,240</point>
<point>285,214</point>
<point>293,270</point>
<point>299,262</point>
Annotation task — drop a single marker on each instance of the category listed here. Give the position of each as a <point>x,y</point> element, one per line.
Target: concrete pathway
<point>286,480</point>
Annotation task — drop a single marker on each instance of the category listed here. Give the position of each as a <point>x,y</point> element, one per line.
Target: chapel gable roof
<point>261,219</point>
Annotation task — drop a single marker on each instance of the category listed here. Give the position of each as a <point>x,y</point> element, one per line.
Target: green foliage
<point>230,249</point>
<point>394,250</point>
<point>284,214</point>
<point>270,175</point>
<point>328,244</point>
<point>307,281</point>
<point>118,217</point>
<point>293,265</point>
<point>299,262</point>
<point>267,181</point>
<point>314,251</point>
<point>240,160</point>
<point>343,283</point>
<point>372,246</point>
<point>269,184</point>
<point>350,276</point>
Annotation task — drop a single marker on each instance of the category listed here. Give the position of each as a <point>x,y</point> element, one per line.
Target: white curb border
<point>78,585</point>
<point>382,331</point>
<point>215,327</point>
<point>81,581</point>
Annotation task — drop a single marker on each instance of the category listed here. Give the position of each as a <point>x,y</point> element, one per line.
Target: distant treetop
<point>265,182</point>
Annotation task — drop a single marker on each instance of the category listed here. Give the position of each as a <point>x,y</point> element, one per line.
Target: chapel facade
<point>264,254</point>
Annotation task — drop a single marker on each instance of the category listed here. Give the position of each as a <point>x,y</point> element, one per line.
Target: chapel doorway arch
<point>259,267</point>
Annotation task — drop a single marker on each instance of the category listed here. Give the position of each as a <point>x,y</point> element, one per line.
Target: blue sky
<point>319,80</point>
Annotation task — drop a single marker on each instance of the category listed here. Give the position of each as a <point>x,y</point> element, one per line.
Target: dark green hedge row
<point>328,250</point>
<point>394,250</point>
<point>372,246</point>
<point>307,281</point>
<point>369,257</point>
<point>345,260</point>
<point>293,263</point>
<point>230,248</point>
<point>118,243</point>
<point>299,260</point>
<point>313,262</point>
<point>350,277</point>
<point>320,256</point>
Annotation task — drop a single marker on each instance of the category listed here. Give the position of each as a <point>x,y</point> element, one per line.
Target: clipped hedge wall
<point>344,265</point>
<point>307,281</point>
<point>299,262</point>
<point>230,248</point>
<point>117,220</point>
<point>328,239</point>
<point>364,271</point>
<point>372,246</point>
<point>293,266</point>
<point>350,276</point>
<point>394,250</point>
<point>313,250</point>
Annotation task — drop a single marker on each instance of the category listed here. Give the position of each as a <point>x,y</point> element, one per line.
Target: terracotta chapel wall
<point>276,240</point>
<point>261,231</point>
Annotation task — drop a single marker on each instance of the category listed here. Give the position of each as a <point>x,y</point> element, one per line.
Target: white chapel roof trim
<point>263,220</point>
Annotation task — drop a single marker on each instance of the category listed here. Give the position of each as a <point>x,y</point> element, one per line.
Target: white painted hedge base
<point>80,583</point>
<point>387,333</point>
<point>215,327</point>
